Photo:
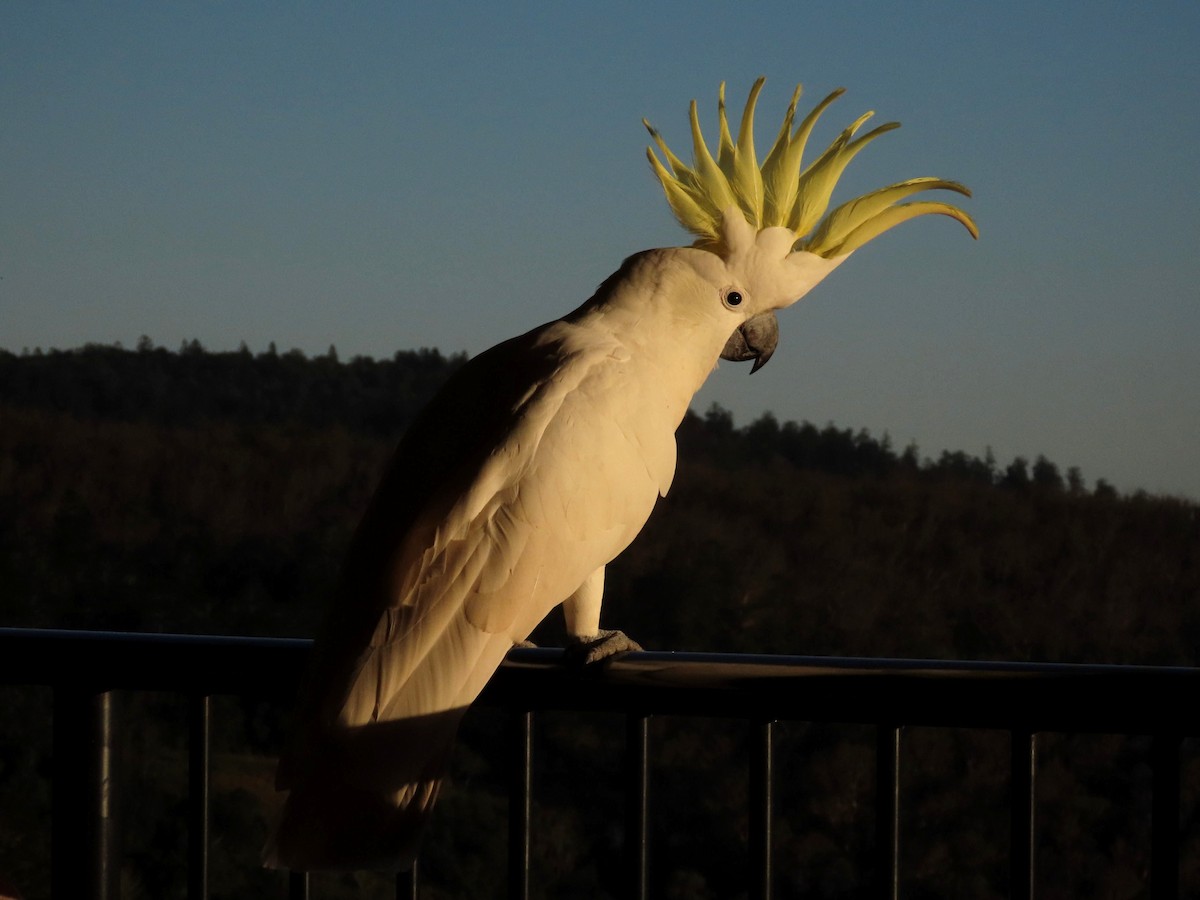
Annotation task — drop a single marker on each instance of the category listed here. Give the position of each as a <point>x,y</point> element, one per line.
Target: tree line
<point>380,397</point>
<point>153,384</point>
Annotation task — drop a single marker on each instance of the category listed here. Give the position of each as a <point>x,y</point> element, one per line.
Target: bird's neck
<point>668,319</point>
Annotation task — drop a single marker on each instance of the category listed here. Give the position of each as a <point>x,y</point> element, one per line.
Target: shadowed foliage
<point>215,492</point>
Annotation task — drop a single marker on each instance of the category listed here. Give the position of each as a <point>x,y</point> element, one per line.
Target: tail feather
<point>362,800</point>
<point>331,826</point>
<point>359,794</point>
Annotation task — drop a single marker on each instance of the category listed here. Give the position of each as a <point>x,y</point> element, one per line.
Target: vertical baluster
<point>84,850</point>
<point>106,780</point>
<point>887,812</point>
<point>1022,851</point>
<point>520,805</point>
<point>199,708</point>
<point>637,805</point>
<point>406,884</point>
<point>761,802</point>
<point>1164,826</point>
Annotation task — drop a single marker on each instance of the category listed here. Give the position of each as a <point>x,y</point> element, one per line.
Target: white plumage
<point>538,462</point>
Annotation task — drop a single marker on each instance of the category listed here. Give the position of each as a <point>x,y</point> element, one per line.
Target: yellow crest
<point>784,192</point>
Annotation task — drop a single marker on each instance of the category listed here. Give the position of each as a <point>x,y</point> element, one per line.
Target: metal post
<point>887,812</point>
<point>1022,860</point>
<point>762,765</point>
<point>520,807</point>
<point>1164,824</point>
<point>297,886</point>
<point>406,884</point>
<point>84,837</point>
<point>105,795</point>
<point>199,708</point>
<point>637,805</point>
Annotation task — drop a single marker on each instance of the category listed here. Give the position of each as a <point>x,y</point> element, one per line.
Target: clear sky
<point>384,176</point>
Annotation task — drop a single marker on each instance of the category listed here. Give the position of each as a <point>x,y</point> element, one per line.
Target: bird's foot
<point>524,645</point>
<point>587,649</point>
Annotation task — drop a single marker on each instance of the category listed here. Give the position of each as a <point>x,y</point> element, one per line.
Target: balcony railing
<point>83,668</point>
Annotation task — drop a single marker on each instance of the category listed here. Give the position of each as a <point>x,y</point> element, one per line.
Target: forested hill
<point>198,491</point>
<point>216,492</point>
<point>380,397</point>
<point>150,384</point>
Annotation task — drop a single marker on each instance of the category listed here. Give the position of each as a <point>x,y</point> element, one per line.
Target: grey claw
<point>590,649</point>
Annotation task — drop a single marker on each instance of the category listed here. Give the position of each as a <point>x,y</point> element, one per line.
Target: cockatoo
<point>537,464</point>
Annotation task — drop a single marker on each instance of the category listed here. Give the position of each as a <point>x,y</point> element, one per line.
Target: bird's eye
<point>733,298</point>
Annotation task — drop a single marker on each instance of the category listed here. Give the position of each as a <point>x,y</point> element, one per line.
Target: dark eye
<point>733,298</point>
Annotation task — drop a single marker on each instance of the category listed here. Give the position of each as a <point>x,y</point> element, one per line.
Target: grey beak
<point>755,339</point>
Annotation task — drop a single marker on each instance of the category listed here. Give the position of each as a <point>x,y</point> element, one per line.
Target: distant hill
<point>149,384</point>
<point>160,485</point>
<point>380,397</point>
<point>215,492</point>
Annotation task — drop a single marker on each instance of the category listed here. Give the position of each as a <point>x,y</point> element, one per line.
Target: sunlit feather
<point>785,192</point>
<point>836,226</point>
<point>819,180</point>
<point>711,179</point>
<point>895,215</point>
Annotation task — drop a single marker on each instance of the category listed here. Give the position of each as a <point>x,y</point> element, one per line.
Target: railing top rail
<point>213,664</point>
<point>978,694</point>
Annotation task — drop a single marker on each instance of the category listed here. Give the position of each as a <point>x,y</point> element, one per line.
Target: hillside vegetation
<point>215,492</point>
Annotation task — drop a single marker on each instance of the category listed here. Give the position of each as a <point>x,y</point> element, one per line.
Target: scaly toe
<point>590,649</point>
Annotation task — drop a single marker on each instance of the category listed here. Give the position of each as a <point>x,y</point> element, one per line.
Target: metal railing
<point>83,668</point>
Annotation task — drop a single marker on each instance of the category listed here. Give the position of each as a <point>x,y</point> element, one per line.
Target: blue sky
<point>389,176</point>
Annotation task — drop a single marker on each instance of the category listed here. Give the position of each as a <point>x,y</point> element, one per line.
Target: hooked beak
<point>754,339</point>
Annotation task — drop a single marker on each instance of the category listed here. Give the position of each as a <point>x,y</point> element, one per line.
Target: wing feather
<point>471,558</point>
<point>482,525</point>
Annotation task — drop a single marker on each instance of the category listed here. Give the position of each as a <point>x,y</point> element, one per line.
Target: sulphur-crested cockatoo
<point>536,464</point>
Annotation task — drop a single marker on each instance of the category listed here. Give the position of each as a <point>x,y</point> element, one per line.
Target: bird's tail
<point>361,801</point>
<point>330,826</point>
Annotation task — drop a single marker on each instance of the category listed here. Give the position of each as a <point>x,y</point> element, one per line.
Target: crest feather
<point>785,192</point>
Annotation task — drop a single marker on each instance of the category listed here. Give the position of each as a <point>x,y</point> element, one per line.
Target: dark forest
<point>192,491</point>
